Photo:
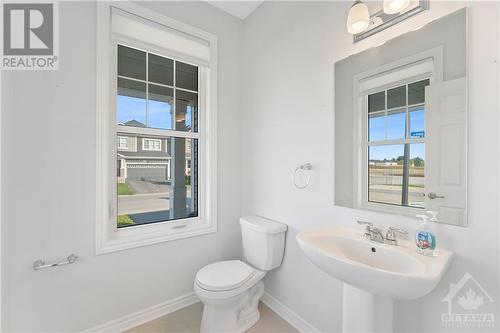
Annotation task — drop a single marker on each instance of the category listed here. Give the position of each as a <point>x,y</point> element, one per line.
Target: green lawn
<point>124,220</point>
<point>124,189</point>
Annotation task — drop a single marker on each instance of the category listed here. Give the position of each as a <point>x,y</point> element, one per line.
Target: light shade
<point>358,19</point>
<point>395,6</point>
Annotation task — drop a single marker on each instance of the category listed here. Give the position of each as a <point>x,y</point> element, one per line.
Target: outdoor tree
<point>418,162</point>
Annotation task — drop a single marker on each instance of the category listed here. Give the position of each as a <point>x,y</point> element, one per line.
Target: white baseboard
<point>288,315</point>
<point>140,317</point>
<point>156,311</point>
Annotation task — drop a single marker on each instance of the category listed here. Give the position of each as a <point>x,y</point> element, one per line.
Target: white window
<point>122,142</point>
<point>391,133</point>
<point>159,76</point>
<point>396,145</point>
<point>151,144</point>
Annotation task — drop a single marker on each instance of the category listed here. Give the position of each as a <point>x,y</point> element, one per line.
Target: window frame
<point>109,237</point>
<point>385,77</point>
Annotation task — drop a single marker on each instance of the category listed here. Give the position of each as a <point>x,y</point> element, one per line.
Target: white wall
<point>48,172</point>
<point>289,52</point>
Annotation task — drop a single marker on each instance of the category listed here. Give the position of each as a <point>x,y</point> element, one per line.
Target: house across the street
<point>145,157</point>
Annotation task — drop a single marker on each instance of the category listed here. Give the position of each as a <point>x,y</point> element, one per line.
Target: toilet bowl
<point>230,290</point>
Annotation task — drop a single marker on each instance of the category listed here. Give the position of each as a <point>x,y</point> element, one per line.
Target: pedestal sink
<point>374,274</point>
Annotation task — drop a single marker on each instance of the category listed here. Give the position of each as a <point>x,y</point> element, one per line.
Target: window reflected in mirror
<point>396,145</point>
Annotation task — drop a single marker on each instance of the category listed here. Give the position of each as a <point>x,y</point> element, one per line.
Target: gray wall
<point>48,194</point>
<point>449,32</point>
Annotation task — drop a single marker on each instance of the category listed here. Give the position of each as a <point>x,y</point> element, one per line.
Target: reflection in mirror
<point>405,103</point>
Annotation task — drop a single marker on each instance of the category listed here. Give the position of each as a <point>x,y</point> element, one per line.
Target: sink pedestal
<point>365,312</point>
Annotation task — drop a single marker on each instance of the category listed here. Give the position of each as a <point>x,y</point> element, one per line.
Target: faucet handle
<point>370,228</point>
<point>391,234</point>
<point>398,229</point>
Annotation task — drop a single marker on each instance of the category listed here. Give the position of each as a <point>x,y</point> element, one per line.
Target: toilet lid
<point>224,275</point>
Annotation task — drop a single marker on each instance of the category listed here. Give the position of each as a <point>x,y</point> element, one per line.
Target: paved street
<point>392,194</point>
<point>142,203</point>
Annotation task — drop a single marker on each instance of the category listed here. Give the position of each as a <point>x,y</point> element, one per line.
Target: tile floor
<point>188,320</point>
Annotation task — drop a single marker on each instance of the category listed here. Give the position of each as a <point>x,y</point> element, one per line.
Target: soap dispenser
<point>424,239</point>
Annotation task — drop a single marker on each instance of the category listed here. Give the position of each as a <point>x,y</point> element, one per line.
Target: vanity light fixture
<point>395,6</point>
<point>361,24</point>
<point>358,18</point>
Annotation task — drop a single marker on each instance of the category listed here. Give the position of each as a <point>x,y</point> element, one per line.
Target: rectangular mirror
<point>401,124</point>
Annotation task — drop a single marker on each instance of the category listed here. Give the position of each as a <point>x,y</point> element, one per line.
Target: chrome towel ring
<point>304,168</point>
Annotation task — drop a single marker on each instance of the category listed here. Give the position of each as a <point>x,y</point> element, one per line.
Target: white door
<point>446,150</point>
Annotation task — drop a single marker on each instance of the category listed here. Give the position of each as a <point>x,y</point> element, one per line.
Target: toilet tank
<point>263,242</point>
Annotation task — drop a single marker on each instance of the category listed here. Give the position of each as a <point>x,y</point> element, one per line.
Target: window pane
<point>416,192</point>
<point>122,143</point>
<point>385,174</point>
<point>376,102</point>
<point>160,107</point>
<point>396,97</point>
<point>416,92</point>
<point>161,70</point>
<point>131,103</point>
<point>376,127</point>
<point>417,122</point>
<point>186,76</point>
<point>131,63</point>
<point>186,113</point>
<point>160,186</point>
<point>396,124</point>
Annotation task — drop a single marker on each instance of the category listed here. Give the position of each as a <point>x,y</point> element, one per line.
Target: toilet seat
<point>224,275</point>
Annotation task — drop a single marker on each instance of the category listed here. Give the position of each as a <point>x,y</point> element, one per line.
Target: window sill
<point>143,235</point>
<point>391,209</point>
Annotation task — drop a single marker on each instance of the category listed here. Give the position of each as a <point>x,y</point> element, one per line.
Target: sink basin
<point>396,272</point>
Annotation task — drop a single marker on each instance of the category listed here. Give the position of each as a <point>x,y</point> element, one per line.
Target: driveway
<point>146,187</point>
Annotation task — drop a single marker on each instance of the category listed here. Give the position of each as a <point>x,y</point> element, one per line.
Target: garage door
<point>155,172</point>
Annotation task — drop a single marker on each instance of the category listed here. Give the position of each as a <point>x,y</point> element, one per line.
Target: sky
<point>392,127</point>
<point>159,113</point>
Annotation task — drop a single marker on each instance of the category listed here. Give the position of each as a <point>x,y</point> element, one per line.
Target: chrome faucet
<point>375,234</point>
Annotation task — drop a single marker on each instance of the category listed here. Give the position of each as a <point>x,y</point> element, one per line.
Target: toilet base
<point>236,314</point>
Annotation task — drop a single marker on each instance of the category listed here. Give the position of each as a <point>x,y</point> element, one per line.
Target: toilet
<point>230,290</point>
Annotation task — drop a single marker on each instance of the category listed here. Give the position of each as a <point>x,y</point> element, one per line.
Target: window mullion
<point>406,163</point>
<point>406,173</point>
<point>147,89</point>
<point>174,111</point>
<point>385,113</point>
